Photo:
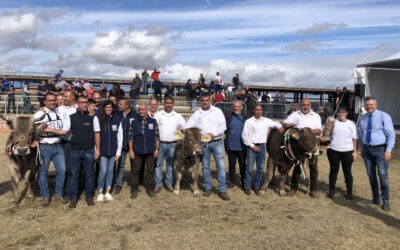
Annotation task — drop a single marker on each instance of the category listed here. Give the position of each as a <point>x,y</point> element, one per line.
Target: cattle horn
<point>5,118</point>
<point>39,118</point>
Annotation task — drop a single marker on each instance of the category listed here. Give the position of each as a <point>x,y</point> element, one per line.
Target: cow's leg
<point>30,196</point>
<point>282,183</point>
<point>268,176</point>
<point>195,176</point>
<point>178,176</point>
<point>13,168</point>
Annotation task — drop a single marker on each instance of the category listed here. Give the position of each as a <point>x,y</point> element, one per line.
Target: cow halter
<point>287,146</point>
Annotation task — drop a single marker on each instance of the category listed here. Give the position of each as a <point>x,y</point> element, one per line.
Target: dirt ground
<point>186,222</point>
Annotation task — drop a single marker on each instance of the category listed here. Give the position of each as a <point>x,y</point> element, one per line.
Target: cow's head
<point>191,139</point>
<point>23,131</point>
<point>304,142</point>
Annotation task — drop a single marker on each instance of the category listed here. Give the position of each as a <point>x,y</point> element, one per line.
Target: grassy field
<point>186,222</point>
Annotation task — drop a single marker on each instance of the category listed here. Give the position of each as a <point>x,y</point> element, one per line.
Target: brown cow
<point>188,153</point>
<point>300,144</point>
<point>20,153</point>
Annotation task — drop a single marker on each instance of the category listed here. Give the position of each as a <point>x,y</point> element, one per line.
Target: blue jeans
<point>53,153</point>
<point>81,158</point>
<point>119,179</point>
<point>106,172</point>
<point>259,158</point>
<point>144,86</point>
<point>166,152</point>
<point>373,158</point>
<point>193,104</point>
<point>217,150</point>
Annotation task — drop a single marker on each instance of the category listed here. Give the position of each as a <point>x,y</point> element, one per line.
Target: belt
<point>168,142</point>
<point>376,146</point>
<point>51,144</point>
<point>216,140</point>
<point>259,144</point>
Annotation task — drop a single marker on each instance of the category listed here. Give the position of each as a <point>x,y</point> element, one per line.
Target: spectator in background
<point>86,84</point>
<point>5,85</point>
<point>170,91</point>
<point>134,92</point>
<point>41,92</point>
<point>283,98</point>
<point>90,92</point>
<point>155,75</point>
<point>51,88</point>
<point>113,99</point>
<point>219,97</point>
<point>292,109</point>
<point>59,74</point>
<point>76,82</point>
<point>103,91</point>
<point>235,81</point>
<point>117,91</point>
<point>218,79</point>
<point>157,86</point>
<point>81,91</point>
<point>61,83</point>
<point>323,113</point>
<point>145,77</point>
<point>11,99</point>
<point>92,108</point>
<point>277,98</point>
<point>265,98</point>
<point>201,80</point>
<point>137,82</point>
<point>27,100</point>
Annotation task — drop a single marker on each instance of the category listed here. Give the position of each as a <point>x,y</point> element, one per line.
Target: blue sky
<point>289,43</point>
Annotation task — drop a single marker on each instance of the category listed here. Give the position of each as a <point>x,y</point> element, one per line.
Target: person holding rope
<point>303,118</point>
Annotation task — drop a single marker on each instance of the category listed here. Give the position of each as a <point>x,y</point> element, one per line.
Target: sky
<point>274,43</point>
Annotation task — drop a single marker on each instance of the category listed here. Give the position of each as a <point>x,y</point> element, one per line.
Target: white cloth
<point>311,120</point>
<point>76,84</point>
<point>120,138</point>
<point>64,112</point>
<point>209,121</point>
<point>86,85</point>
<point>342,136</point>
<point>55,123</point>
<point>168,123</point>
<point>218,80</point>
<point>255,131</point>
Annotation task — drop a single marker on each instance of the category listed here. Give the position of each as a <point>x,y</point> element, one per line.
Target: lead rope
<point>289,154</point>
<point>38,160</point>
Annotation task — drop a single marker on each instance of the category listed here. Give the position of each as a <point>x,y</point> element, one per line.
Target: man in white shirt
<point>212,123</point>
<point>153,107</point>
<point>168,122</point>
<point>303,118</point>
<point>254,136</point>
<point>64,112</point>
<point>51,150</point>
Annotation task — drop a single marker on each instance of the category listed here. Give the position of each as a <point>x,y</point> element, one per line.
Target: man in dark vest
<point>144,140</point>
<point>85,148</point>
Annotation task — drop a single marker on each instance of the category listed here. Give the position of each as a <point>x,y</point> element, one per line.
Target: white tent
<point>382,80</point>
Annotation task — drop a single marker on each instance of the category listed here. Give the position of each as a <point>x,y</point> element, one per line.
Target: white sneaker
<point>100,198</point>
<point>108,197</point>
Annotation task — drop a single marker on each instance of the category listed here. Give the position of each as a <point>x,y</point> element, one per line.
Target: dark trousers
<point>11,102</point>
<point>240,157</point>
<point>157,94</point>
<point>81,159</point>
<point>335,158</point>
<point>313,164</point>
<point>148,160</point>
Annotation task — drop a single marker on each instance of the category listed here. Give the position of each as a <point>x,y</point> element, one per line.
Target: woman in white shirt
<point>342,149</point>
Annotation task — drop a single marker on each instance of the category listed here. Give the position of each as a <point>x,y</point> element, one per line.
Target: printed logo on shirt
<point>114,127</point>
<point>55,124</point>
<point>87,124</point>
<point>151,127</point>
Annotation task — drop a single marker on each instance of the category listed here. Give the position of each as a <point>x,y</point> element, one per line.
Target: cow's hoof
<point>282,192</point>
<point>13,204</point>
<point>176,192</point>
<point>29,198</point>
<point>196,192</point>
<point>261,193</point>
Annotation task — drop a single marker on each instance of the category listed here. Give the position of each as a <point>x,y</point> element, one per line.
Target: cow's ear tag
<point>179,135</point>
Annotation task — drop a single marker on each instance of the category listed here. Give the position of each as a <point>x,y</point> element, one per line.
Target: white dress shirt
<point>64,112</point>
<point>168,123</point>
<point>311,120</point>
<point>255,131</point>
<point>54,121</point>
<point>209,121</point>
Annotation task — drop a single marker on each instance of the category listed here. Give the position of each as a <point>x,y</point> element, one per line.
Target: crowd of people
<point>91,132</point>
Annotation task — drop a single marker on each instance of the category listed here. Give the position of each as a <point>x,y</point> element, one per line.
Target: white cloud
<point>134,48</point>
<point>308,45</point>
<point>321,27</point>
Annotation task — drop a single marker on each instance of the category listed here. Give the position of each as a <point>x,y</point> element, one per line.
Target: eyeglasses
<point>82,102</point>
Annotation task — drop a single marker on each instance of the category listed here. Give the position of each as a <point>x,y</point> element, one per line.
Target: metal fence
<point>270,110</point>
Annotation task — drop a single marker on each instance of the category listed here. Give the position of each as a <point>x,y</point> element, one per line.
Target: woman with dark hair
<point>342,149</point>
<point>110,148</point>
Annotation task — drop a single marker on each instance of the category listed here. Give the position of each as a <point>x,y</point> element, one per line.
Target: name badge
<point>151,127</point>
<point>55,124</point>
<point>114,127</point>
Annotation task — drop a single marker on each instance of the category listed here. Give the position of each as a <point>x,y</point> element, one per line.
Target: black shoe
<point>60,200</point>
<point>348,197</point>
<point>169,189</point>
<point>151,193</point>
<point>207,193</point>
<point>386,206</point>
<point>224,196</point>
<point>257,191</point>
<point>66,198</point>
<point>372,202</point>
<point>230,185</point>
<point>157,189</point>
<point>117,189</point>
<point>90,202</point>
<point>329,194</point>
<point>133,195</point>
<point>247,191</point>
<point>45,202</point>
<point>73,203</point>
